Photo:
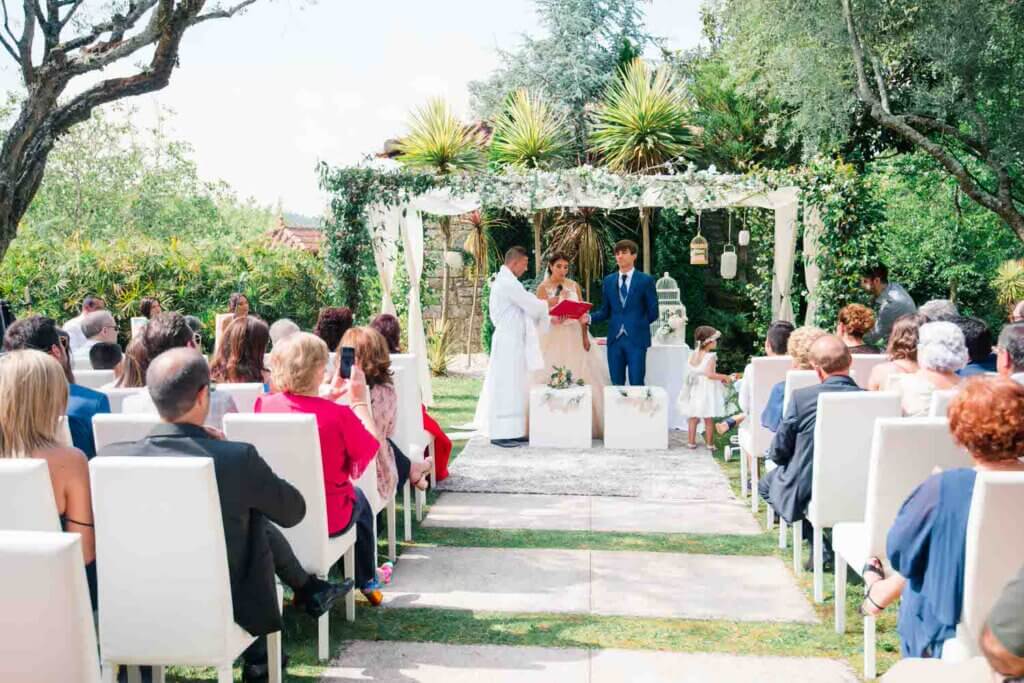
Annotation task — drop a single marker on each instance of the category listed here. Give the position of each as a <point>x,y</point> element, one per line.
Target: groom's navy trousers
<point>629,321</point>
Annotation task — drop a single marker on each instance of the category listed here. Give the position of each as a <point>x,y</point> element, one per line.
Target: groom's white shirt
<point>515,351</point>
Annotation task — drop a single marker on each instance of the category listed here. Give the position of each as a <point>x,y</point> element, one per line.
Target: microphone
<point>558,290</point>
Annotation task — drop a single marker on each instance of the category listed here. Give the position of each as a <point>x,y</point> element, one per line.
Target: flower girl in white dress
<point>703,393</point>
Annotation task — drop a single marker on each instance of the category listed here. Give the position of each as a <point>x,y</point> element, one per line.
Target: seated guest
<point>979,343</point>
<point>281,329</point>
<point>106,356</point>
<point>391,329</point>
<point>799,345</point>
<point>42,334</point>
<point>776,343</point>
<point>938,309</point>
<point>1010,352</point>
<point>238,307</point>
<point>1002,641</point>
<point>239,358</point>
<point>927,542</point>
<point>74,326</point>
<point>149,307</point>
<point>196,325</point>
<point>1017,314</point>
<point>28,429</point>
<point>131,366</point>
<point>98,327</point>
<point>787,488</point>
<point>251,496</point>
<point>853,323</point>
<point>901,351</point>
<point>940,353</point>
<point>348,441</point>
<point>331,325</point>
<point>372,357</point>
<point>165,332</point>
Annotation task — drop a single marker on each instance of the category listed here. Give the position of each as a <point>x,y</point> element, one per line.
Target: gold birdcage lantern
<point>698,247</point>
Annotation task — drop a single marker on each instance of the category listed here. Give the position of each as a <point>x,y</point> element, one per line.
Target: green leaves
<point>530,134</point>
<point>438,141</point>
<point>643,121</point>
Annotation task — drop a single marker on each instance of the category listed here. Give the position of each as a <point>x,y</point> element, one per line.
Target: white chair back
<point>93,379</point>
<point>290,444</point>
<point>79,363</point>
<point>995,549</point>
<point>117,395</point>
<point>863,364</point>
<point>904,452</point>
<point>64,431</point>
<point>164,590</point>
<point>244,394</point>
<point>46,628</point>
<point>765,373</point>
<point>842,448</point>
<point>797,379</point>
<point>26,497</point>
<point>138,323</point>
<point>121,428</point>
<point>409,433</point>
<point>941,399</point>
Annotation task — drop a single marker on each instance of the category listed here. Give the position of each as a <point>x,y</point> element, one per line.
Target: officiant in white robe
<point>515,351</point>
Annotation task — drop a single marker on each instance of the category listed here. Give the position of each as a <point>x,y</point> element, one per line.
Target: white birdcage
<point>670,327</point>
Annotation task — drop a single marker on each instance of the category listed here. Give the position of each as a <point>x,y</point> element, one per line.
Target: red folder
<point>571,309</point>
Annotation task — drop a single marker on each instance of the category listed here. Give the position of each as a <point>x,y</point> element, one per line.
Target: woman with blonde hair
<point>29,428</point>
<point>799,348</point>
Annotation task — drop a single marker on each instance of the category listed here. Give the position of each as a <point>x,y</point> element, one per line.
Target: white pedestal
<point>666,368</point>
<point>561,418</point>
<point>637,421</point>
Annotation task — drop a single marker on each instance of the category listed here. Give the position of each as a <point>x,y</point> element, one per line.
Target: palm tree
<point>438,141</point>
<point>481,246</point>
<point>641,125</point>
<point>531,134</point>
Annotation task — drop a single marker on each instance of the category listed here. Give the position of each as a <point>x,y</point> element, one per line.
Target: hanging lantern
<point>698,248</point>
<point>728,267</point>
<point>744,237</point>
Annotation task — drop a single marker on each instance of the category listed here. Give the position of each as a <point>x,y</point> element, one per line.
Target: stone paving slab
<point>402,662</point>
<point>681,586</point>
<point>585,513</point>
<point>672,585</point>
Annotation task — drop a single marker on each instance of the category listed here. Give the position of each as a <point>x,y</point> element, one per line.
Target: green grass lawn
<point>455,400</point>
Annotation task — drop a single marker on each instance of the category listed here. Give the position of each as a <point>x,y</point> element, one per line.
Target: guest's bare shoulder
<point>65,463</point>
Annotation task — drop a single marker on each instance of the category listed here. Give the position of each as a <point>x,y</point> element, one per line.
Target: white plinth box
<point>561,418</point>
<point>636,421</point>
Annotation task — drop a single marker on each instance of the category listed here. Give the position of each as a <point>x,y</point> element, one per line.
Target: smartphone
<point>346,358</point>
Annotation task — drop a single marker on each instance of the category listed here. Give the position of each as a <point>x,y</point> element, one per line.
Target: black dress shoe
<point>506,443</point>
<point>260,673</point>
<point>318,596</point>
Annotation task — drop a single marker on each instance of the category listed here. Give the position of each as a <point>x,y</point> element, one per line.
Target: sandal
<point>872,566</point>
<point>692,446</point>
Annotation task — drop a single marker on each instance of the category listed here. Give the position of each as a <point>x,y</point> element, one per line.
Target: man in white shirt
<point>73,327</point>
<point>96,327</point>
<point>1010,352</point>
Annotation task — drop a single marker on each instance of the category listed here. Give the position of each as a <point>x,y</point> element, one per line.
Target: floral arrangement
<point>562,378</point>
<point>642,400</point>
<point>670,322</point>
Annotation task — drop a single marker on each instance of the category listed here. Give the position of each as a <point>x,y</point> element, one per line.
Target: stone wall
<point>460,297</point>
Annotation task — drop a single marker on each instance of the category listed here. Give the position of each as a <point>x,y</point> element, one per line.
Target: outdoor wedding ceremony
<point>542,341</point>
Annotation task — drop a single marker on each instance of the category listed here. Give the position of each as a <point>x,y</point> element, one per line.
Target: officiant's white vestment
<point>515,353</point>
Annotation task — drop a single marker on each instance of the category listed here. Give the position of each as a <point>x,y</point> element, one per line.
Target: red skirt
<point>442,445</point>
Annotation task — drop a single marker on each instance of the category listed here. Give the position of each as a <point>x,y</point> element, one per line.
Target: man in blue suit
<point>630,304</point>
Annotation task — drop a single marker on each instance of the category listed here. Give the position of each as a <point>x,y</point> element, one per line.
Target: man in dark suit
<point>250,494</point>
<point>630,304</point>
<point>788,487</point>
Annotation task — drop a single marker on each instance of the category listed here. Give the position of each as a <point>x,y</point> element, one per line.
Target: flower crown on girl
<point>706,334</point>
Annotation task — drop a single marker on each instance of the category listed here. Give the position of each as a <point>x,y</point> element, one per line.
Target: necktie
<point>623,291</point>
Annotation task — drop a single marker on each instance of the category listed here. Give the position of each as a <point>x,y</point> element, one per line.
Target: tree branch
<point>126,22</point>
<point>223,14</point>
<point>28,33</point>
<point>882,92</point>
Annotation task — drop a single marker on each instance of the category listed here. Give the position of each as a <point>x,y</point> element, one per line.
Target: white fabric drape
<point>412,241</point>
<point>785,255</point>
<point>813,229</point>
<point>384,226</point>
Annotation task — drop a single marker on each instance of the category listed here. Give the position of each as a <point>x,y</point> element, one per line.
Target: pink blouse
<point>384,403</point>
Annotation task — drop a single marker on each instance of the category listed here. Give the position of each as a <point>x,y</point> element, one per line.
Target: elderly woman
<point>799,347</point>
<point>853,323</point>
<point>941,351</point>
<point>926,543</point>
<point>348,441</point>
<point>29,429</point>
<point>902,353</point>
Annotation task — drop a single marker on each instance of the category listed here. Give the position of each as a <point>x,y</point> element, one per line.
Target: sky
<point>264,97</point>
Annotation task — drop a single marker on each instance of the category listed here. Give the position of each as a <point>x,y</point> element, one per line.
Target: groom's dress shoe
<point>506,443</point>
<point>521,439</point>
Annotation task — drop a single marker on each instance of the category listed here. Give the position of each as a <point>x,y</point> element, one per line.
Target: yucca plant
<point>440,346</point>
<point>1009,282</point>
<point>642,124</point>
<point>438,141</point>
<point>531,134</point>
<point>481,246</point>
<point>582,234</point>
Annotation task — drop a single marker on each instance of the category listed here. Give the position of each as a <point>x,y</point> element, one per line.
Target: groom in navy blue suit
<point>630,304</point>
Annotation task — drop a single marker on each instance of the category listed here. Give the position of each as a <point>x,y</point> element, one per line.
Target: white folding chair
<point>863,364</point>
<point>79,363</point>
<point>994,555</point>
<point>290,444</point>
<point>46,628</point>
<point>410,435</point>
<point>64,431</point>
<point>940,402</point>
<point>121,428</point>
<point>93,379</point>
<point>795,379</point>
<point>904,452</point>
<point>164,588</point>
<point>117,395</point>
<point>843,431</point>
<point>765,373</point>
<point>26,496</point>
<point>244,394</point>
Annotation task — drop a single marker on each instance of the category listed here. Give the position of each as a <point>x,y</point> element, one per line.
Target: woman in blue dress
<point>926,543</point>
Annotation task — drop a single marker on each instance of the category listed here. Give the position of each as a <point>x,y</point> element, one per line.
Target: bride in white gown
<point>568,344</point>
